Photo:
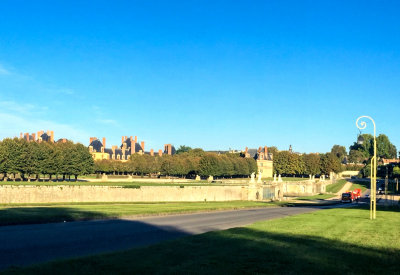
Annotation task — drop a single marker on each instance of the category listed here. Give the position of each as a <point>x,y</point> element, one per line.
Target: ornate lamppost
<point>361,125</point>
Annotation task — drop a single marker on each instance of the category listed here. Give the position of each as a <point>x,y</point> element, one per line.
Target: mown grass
<point>59,212</point>
<point>125,184</point>
<point>317,197</point>
<point>335,187</point>
<point>335,241</point>
<point>363,185</point>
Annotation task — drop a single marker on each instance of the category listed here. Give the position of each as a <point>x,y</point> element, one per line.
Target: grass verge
<point>363,185</point>
<point>59,212</point>
<point>125,184</point>
<point>317,197</point>
<point>335,187</point>
<point>334,241</point>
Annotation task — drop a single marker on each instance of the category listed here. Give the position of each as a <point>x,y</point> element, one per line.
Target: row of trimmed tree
<point>187,164</point>
<point>289,163</point>
<point>32,159</point>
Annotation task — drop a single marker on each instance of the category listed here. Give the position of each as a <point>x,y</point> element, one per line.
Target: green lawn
<point>335,187</point>
<point>317,197</point>
<point>335,241</point>
<point>363,185</point>
<point>108,183</point>
<point>59,212</point>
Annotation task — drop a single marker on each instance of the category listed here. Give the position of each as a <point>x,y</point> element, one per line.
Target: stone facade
<point>52,194</point>
<point>65,193</point>
<point>264,160</point>
<point>128,147</point>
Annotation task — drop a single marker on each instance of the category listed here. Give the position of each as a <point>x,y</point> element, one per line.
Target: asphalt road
<point>23,245</point>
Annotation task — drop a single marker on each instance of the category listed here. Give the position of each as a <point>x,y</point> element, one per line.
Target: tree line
<point>288,163</point>
<point>184,164</point>
<point>18,156</point>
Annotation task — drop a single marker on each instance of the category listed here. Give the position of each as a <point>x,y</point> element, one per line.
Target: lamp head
<point>360,140</point>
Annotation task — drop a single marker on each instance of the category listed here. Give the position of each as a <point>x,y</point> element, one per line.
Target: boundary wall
<point>52,194</point>
<point>65,193</point>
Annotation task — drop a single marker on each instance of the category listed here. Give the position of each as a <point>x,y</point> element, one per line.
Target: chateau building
<point>41,136</point>
<point>128,147</point>
<point>264,160</point>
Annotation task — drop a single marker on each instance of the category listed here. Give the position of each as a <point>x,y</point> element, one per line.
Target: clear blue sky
<point>210,74</point>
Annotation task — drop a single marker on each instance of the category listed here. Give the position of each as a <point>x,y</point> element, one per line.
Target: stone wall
<point>63,193</point>
<point>51,194</point>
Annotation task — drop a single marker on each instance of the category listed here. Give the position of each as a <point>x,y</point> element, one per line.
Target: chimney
<point>34,136</point>
<point>133,148</point>
<point>130,138</point>
<point>52,136</point>
<point>135,139</point>
<point>152,152</point>
<point>142,145</point>
<point>104,142</point>
<point>259,149</point>
<point>266,150</point>
<point>113,148</point>
<point>122,139</point>
<point>160,153</point>
<point>246,150</point>
<point>168,149</point>
<point>90,140</point>
<point>27,136</point>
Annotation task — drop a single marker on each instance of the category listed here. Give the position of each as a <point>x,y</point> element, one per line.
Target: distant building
<point>390,161</point>
<point>41,136</point>
<point>128,147</point>
<point>264,160</point>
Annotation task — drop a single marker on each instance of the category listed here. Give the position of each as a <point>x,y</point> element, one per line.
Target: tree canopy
<point>18,156</point>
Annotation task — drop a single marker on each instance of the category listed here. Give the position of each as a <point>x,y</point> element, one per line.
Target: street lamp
<point>360,140</point>
<point>361,125</point>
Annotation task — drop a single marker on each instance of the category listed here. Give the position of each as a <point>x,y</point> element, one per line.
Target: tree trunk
<point>76,177</point>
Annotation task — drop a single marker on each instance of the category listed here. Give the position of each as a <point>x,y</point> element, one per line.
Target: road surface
<point>22,245</point>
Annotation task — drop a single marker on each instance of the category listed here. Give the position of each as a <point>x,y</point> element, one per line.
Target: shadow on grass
<point>35,215</point>
<point>234,251</point>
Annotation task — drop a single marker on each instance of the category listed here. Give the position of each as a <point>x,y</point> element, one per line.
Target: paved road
<point>29,244</point>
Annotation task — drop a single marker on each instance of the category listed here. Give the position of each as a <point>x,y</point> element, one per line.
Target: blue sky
<point>210,74</point>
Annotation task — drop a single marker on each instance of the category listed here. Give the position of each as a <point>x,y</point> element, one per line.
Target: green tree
<point>396,172</point>
<point>85,160</point>
<point>209,165</point>
<point>384,148</point>
<point>367,148</point>
<point>183,149</point>
<point>312,164</point>
<point>339,151</point>
<point>330,163</point>
<point>356,156</point>
<point>286,162</point>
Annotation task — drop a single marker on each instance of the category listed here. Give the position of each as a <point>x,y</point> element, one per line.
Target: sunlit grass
<point>335,241</point>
